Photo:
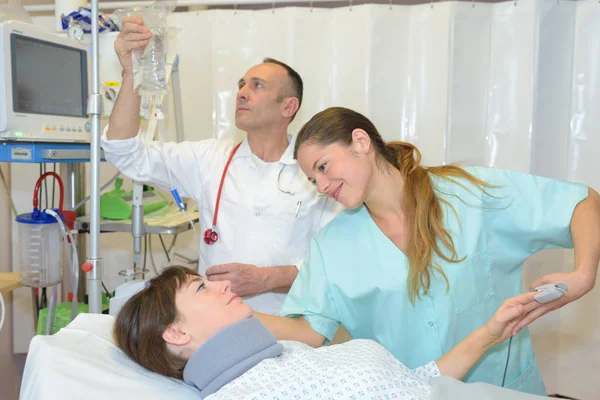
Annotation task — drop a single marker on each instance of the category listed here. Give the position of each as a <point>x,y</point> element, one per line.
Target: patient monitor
<point>44,85</point>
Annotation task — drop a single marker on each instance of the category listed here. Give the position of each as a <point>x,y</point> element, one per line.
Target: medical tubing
<point>12,203</point>
<point>45,187</point>
<point>145,254</point>
<point>108,295</point>
<point>172,244</point>
<point>160,121</point>
<point>2,310</point>
<point>37,188</point>
<point>51,311</point>
<point>178,200</point>
<point>41,173</point>
<point>507,358</point>
<point>107,184</point>
<point>161,127</point>
<point>137,227</point>
<point>170,178</point>
<point>160,117</point>
<point>75,277</point>
<point>74,262</point>
<point>162,242</point>
<point>151,256</point>
<point>193,227</point>
<point>53,184</point>
<point>174,191</point>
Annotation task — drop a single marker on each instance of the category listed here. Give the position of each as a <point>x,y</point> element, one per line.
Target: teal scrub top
<point>354,275</point>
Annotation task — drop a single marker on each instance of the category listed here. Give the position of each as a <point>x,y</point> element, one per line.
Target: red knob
<point>87,267</point>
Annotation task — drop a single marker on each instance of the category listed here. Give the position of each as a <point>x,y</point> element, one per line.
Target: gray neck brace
<point>229,354</point>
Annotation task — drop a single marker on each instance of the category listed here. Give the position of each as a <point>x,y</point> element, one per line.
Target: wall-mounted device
<point>44,85</point>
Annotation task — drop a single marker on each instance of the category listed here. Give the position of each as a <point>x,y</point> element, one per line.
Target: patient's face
<point>207,307</point>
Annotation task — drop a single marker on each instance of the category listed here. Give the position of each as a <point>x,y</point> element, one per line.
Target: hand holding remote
<point>578,283</point>
<point>551,291</point>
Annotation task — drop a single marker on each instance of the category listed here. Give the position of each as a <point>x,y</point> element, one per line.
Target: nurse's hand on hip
<point>246,279</point>
<point>133,35</point>
<point>578,282</point>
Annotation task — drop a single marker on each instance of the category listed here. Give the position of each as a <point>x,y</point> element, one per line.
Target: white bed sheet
<point>82,362</point>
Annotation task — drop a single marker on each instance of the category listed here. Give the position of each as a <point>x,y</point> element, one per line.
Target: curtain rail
<point>112,5</point>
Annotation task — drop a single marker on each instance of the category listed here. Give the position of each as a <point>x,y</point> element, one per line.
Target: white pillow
<point>122,294</point>
<point>82,362</point>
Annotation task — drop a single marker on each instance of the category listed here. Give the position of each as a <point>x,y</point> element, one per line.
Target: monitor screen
<point>48,78</point>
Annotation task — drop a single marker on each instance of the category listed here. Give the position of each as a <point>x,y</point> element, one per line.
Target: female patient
<point>184,326</point>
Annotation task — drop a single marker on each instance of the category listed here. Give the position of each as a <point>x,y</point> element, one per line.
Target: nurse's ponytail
<point>427,234</point>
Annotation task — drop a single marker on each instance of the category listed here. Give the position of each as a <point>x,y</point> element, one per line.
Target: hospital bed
<point>82,362</point>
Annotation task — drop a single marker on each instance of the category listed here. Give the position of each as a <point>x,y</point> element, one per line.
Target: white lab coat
<point>257,222</point>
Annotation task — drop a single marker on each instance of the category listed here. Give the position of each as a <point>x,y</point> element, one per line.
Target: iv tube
<point>74,261</point>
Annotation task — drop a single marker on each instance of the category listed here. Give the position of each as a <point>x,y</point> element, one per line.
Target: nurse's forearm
<point>125,117</point>
<point>458,361</point>
<point>297,329</point>
<point>279,279</point>
<point>585,229</point>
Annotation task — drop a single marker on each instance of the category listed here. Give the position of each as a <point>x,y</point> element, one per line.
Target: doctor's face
<point>338,171</point>
<point>206,308</point>
<point>258,101</point>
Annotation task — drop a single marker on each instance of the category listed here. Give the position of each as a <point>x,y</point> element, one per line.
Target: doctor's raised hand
<point>133,35</point>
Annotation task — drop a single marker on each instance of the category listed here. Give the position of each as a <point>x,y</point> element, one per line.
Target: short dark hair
<point>141,322</point>
<point>296,80</point>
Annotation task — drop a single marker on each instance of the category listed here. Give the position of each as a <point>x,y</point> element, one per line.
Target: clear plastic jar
<point>40,249</point>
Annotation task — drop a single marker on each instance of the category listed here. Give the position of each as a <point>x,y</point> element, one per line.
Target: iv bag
<point>149,65</point>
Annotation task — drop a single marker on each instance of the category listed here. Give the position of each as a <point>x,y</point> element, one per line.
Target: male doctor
<point>268,211</point>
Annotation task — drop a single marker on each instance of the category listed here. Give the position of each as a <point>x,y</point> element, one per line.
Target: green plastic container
<point>114,204</point>
<point>62,316</point>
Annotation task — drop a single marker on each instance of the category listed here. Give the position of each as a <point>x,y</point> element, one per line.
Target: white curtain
<point>510,84</point>
<point>513,85</point>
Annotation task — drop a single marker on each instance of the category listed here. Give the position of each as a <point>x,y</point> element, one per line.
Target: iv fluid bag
<point>149,65</point>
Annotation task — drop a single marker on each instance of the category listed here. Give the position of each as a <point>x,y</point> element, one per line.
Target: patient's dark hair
<point>140,324</point>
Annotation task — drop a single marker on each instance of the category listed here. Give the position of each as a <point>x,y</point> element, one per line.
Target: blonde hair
<point>423,207</point>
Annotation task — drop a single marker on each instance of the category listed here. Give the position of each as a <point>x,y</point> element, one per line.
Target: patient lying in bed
<point>183,326</point>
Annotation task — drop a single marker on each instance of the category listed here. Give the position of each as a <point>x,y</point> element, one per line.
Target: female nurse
<point>424,255</point>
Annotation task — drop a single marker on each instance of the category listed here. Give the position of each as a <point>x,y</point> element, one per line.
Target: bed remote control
<point>549,292</point>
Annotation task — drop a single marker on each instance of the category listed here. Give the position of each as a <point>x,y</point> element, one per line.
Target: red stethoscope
<point>210,235</point>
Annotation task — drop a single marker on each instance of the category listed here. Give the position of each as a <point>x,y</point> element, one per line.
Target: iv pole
<point>95,265</point>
